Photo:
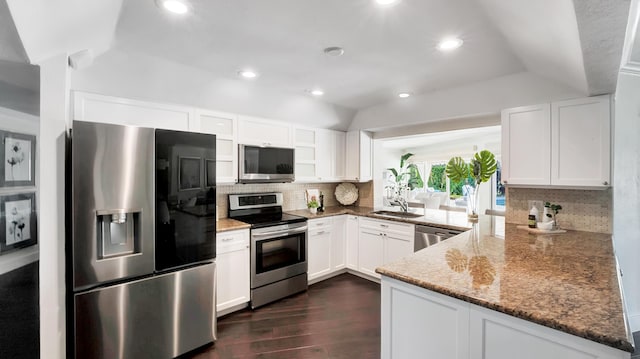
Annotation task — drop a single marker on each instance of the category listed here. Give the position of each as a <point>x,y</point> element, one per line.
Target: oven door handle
<point>276,234</point>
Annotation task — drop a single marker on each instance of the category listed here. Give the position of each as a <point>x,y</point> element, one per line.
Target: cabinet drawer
<point>319,225</point>
<point>232,241</point>
<point>387,226</point>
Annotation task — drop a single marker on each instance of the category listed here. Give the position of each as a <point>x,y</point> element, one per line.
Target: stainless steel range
<point>278,246</point>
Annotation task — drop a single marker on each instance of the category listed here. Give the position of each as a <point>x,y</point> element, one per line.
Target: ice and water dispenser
<point>118,233</point>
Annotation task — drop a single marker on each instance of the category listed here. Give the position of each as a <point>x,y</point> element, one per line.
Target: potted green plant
<point>313,205</point>
<point>550,211</point>
<point>480,169</point>
<point>406,177</point>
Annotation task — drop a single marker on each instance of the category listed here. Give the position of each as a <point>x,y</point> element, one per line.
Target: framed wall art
<point>17,221</point>
<point>18,154</point>
<point>189,173</point>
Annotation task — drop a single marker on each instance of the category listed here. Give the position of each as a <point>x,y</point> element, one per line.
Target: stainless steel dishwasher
<point>426,236</point>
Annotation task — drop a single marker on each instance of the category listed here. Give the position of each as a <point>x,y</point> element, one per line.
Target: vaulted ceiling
<point>387,49</point>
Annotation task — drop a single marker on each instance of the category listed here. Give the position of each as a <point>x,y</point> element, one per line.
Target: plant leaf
<point>393,170</point>
<point>415,180</point>
<point>404,158</point>
<point>457,169</point>
<point>486,162</point>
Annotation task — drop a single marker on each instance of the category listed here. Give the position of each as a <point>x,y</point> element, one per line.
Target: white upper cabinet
<point>358,156</point>
<point>564,144</point>
<point>307,163</point>
<point>262,132</point>
<point>319,155</point>
<point>581,142</point>
<point>224,126</point>
<point>120,111</point>
<point>526,145</point>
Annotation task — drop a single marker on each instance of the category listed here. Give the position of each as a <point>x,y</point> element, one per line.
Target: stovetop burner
<point>260,210</point>
<point>259,221</point>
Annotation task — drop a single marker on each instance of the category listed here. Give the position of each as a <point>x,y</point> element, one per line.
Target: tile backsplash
<point>582,210</point>
<point>293,194</point>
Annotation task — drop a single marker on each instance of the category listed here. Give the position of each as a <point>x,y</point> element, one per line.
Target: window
<point>453,194</point>
<point>499,191</point>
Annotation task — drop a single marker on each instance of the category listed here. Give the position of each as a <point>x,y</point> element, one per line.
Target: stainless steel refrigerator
<point>141,249</point>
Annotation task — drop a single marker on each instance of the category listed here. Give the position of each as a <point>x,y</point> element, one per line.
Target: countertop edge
<point>368,212</point>
<point>617,343</point>
<point>229,224</point>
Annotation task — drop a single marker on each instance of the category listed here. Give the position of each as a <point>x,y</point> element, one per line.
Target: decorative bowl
<point>346,193</point>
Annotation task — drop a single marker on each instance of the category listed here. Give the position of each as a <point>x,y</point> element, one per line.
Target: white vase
<point>313,210</point>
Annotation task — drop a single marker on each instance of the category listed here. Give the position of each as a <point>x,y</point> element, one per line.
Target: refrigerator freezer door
<point>159,317</point>
<point>112,203</point>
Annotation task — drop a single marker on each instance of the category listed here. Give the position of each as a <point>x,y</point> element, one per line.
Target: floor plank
<point>336,318</point>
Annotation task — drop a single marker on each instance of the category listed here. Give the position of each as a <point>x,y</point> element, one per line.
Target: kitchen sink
<point>398,214</point>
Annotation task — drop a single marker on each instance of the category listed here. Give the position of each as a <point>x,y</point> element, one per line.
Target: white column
<point>54,105</point>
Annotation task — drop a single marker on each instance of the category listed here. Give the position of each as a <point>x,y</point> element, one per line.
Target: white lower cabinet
<point>381,242</point>
<point>370,255</point>
<point>419,323</point>
<point>338,243</point>
<point>355,243</point>
<point>232,269</point>
<point>319,251</point>
<point>352,232</point>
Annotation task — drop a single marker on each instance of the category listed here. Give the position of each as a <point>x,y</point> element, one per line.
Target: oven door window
<point>279,252</point>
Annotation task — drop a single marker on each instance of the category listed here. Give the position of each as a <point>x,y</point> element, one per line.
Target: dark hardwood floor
<point>336,318</point>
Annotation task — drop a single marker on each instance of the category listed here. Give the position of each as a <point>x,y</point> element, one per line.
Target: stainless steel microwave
<point>265,164</point>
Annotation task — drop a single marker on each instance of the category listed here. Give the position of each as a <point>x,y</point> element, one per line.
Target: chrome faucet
<point>404,206</point>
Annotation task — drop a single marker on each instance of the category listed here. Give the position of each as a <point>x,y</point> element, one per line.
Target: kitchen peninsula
<point>489,293</point>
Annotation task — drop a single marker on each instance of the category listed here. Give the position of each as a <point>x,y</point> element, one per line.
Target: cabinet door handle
<point>605,183</point>
<point>319,233</point>
<point>384,226</point>
<point>227,239</point>
<point>505,181</point>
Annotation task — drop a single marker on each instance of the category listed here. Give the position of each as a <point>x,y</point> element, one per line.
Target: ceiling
<point>387,49</point>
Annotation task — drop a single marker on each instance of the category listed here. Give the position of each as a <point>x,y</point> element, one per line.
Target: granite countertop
<point>228,224</point>
<point>566,281</point>
<point>431,217</point>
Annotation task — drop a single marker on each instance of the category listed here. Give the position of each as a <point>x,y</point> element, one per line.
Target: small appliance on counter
<point>278,246</point>
<point>141,246</point>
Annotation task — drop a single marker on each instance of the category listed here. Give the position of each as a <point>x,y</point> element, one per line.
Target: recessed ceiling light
<point>174,6</point>
<point>404,94</point>
<point>248,74</point>
<point>334,51</point>
<point>386,2</point>
<point>450,44</point>
<point>316,92</point>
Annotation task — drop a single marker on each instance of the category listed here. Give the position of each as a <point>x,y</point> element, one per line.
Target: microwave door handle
<point>276,234</point>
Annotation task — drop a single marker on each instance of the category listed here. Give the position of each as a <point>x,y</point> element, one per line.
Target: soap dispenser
<point>535,213</point>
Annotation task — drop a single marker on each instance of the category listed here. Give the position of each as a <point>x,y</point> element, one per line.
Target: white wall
<point>19,99</point>
<point>477,99</point>
<point>383,158</point>
<point>626,167</point>
<point>626,190</point>
<point>54,100</point>
<point>143,77</point>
